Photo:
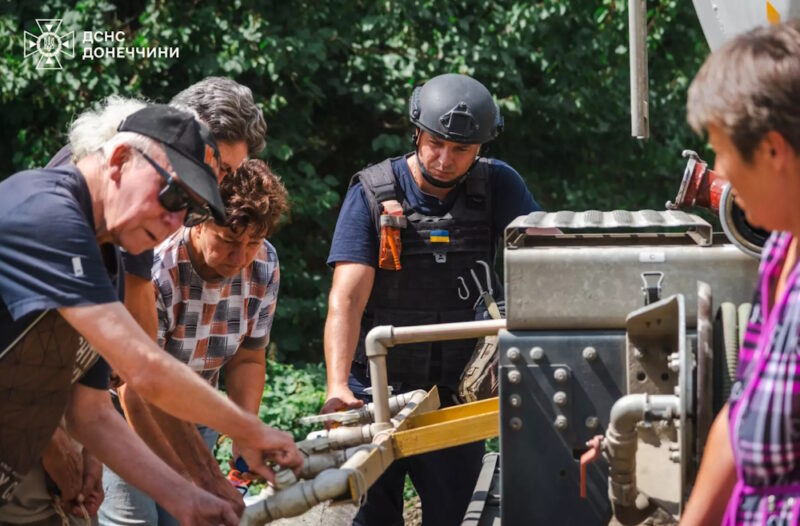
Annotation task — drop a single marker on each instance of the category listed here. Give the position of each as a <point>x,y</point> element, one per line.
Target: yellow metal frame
<point>380,458</point>
<point>427,429</point>
<point>448,427</point>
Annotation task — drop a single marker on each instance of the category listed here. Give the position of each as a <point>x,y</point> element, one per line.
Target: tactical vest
<point>426,290</point>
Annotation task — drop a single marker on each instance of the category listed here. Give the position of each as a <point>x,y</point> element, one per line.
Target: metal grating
<point>595,223</point>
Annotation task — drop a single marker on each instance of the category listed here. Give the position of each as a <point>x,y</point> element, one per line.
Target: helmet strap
<point>427,175</point>
<point>436,182</point>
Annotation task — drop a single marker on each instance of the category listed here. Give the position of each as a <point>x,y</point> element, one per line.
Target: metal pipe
<point>381,338</point>
<point>629,505</point>
<point>347,436</point>
<point>396,403</point>
<point>462,330</point>
<point>376,346</point>
<point>330,483</point>
<point>416,397</point>
<point>301,497</point>
<point>316,463</point>
<point>297,498</point>
<point>637,43</point>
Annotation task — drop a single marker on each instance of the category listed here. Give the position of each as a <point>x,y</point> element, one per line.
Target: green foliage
<point>409,492</point>
<point>291,393</point>
<point>333,79</point>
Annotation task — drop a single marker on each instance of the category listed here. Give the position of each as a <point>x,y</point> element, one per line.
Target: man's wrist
<point>337,387</point>
<point>251,426</point>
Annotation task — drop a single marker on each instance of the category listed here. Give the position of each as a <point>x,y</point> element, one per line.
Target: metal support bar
<point>381,338</point>
<point>445,428</point>
<point>637,37</point>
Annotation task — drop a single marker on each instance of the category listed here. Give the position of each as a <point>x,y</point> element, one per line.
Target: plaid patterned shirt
<point>765,401</point>
<point>204,323</point>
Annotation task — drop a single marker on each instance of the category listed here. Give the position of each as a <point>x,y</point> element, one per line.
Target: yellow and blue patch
<point>440,236</point>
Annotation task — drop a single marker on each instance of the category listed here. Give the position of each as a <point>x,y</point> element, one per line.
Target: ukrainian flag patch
<point>440,236</point>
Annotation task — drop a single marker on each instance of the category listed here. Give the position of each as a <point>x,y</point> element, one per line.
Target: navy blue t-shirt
<point>356,239</point>
<point>139,265</point>
<point>49,256</point>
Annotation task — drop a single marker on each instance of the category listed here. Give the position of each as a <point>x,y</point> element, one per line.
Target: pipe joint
<point>378,340</point>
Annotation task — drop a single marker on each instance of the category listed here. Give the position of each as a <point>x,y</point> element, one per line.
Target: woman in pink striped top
<point>747,96</point>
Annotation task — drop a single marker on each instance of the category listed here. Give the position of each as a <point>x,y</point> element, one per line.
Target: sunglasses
<point>175,199</point>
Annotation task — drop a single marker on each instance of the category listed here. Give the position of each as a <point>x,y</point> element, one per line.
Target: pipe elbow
<point>627,412</point>
<point>377,340</point>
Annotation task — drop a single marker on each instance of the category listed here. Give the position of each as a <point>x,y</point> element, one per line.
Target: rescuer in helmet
<point>410,230</point>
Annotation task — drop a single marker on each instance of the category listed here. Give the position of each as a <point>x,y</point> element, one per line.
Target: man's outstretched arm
<point>172,386</point>
<point>93,421</point>
<point>180,444</point>
<point>352,285</point>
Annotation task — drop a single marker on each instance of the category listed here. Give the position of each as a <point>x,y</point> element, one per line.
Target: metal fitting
<point>561,422</point>
<point>592,422</point>
<point>513,354</point>
<point>590,354</point>
<point>675,457</point>
<point>284,478</point>
<point>515,400</point>
<point>514,376</point>
<point>537,353</point>
<point>674,362</point>
<point>560,398</point>
<point>515,423</point>
<point>560,374</point>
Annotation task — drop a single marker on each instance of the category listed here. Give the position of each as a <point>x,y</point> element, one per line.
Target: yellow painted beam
<point>380,458</point>
<point>444,434</point>
<point>454,413</point>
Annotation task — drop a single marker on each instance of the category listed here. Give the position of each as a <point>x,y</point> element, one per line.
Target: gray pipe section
<point>376,343</point>
<point>300,497</point>
<point>637,44</point>
<point>348,436</point>
<point>629,506</point>
<point>316,463</point>
<point>366,414</point>
<point>381,338</point>
<point>414,400</point>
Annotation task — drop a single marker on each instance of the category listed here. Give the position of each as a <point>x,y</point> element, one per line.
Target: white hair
<point>94,128</point>
<point>95,131</point>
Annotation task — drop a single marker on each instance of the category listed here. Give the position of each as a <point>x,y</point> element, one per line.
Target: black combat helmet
<point>456,108</point>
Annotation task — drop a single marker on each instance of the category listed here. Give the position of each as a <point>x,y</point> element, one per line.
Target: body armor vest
<point>426,290</point>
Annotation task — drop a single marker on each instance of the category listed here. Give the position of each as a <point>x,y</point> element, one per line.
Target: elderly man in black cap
<point>60,291</point>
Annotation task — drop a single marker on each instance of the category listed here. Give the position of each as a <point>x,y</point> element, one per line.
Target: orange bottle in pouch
<point>392,221</point>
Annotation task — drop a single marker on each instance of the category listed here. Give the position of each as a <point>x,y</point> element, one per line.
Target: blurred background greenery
<point>333,78</point>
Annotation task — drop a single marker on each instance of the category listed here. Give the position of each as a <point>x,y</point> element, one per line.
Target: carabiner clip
<point>463,290</point>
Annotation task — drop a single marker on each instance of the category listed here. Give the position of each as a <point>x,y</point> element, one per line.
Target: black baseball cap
<point>190,148</point>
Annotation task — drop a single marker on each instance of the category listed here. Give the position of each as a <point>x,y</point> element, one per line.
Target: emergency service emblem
<point>49,44</point>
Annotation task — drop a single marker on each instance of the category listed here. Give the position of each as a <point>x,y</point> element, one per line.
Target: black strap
<point>379,185</point>
<point>477,183</point>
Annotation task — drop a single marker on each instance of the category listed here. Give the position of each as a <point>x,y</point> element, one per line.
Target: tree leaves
<point>334,79</point>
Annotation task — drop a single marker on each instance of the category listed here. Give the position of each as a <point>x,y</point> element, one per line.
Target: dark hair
<point>228,109</point>
<point>751,86</point>
<point>254,197</point>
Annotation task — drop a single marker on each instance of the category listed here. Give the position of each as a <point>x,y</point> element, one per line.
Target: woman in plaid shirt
<point>747,95</point>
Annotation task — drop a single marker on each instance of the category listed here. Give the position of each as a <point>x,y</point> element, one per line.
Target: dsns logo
<point>49,44</point>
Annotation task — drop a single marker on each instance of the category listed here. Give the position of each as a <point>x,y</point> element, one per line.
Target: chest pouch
<point>392,221</point>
